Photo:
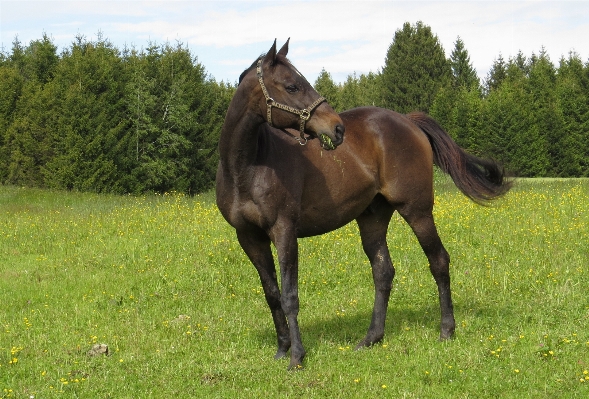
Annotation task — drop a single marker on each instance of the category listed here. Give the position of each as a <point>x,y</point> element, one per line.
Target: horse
<point>286,172</point>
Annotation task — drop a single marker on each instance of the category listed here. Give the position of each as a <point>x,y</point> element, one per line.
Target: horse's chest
<point>261,212</point>
<point>260,202</point>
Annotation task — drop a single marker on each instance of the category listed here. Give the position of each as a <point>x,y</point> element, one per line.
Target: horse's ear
<point>271,55</point>
<point>284,50</point>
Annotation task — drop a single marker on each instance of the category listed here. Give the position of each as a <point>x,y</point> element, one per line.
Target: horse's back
<point>394,132</point>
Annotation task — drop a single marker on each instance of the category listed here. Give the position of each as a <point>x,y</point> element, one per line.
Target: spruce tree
<point>350,93</point>
<point>370,88</point>
<point>42,59</point>
<point>25,110</point>
<point>11,85</point>
<point>325,86</point>
<point>463,73</point>
<point>520,61</point>
<point>572,86</point>
<point>516,128</point>
<point>88,104</point>
<point>496,75</point>
<point>415,69</point>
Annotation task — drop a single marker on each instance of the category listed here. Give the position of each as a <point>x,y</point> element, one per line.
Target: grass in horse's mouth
<point>326,142</point>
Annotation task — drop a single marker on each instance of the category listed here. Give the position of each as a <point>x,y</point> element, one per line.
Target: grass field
<point>162,281</point>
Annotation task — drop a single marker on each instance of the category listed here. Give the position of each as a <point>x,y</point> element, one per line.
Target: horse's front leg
<point>256,245</point>
<point>287,248</point>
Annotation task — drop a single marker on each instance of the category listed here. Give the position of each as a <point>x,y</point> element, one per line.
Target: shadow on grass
<point>351,328</point>
<point>401,323</point>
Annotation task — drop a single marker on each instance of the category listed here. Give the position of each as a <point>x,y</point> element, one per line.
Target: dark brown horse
<point>273,190</point>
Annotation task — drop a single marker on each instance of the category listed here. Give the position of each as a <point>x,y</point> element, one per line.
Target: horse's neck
<point>238,145</point>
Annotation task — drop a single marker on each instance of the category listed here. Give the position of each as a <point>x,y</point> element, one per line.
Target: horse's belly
<point>321,219</point>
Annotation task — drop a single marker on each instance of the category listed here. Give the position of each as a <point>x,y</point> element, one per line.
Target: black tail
<point>479,179</point>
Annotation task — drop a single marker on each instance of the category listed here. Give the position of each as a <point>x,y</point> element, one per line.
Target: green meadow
<point>162,281</point>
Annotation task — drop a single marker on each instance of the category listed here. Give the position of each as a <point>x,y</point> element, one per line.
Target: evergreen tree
<point>511,133</point>
<point>43,59</point>
<point>572,86</point>
<point>176,115</point>
<point>140,102</point>
<point>370,88</point>
<point>496,75</point>
<point>517,71</point>
<point>468,119</point>
<point>27,142</point>
<point>547,120</point>
<point>520,61</point>
<point>159,98</point>
<point>463,73</point>
<point>11,85</point>
<point>460,111</point>
<point>24,142</point>
<point>443,108</point>
<point>215,102</point>
<point>37,61</point>
<point>415,69</point>
<point>351,93</point>
<point>328,89</point>
<point>87,90</point>
<point>456,106</point>
<point>17,57</point>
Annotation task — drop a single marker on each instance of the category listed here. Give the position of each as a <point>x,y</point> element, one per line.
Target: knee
<point>440,264</point>
<point>290,303</point>
<point>272,295</point>
<point>383,277</point>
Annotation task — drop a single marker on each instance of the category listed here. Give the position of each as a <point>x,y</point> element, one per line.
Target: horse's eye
<point>292,88</point>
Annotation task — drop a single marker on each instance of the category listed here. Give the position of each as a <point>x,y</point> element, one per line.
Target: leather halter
<point>304,114</point>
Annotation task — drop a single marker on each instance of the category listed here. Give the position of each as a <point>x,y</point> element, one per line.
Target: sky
<point>342,37</point>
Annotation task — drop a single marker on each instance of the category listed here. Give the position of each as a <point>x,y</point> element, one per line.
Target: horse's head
<point>287,100</point>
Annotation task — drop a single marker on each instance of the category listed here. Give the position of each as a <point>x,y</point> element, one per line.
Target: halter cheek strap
<point>304,114</point>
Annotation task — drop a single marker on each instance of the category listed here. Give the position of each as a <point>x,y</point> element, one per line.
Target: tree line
<point>96,118</point>
<point>527,113</point>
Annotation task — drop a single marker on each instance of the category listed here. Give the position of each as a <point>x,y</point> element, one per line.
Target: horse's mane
<point>279,58</point>
<point>252,66</point>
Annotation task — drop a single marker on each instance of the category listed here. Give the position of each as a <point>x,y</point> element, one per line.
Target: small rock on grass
<point>98,349</point>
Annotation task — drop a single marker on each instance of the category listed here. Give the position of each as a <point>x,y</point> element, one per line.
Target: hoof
<point>296,361</point>
<point>367,342</point>
<point>280,354</point>
<point>447,327</point>
<point>362,345</point>
<point>446,335</point>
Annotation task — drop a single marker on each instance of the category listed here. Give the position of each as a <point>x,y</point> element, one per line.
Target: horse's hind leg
<point>439,262</point>
<point>373,224</point>
<point>257,247</point>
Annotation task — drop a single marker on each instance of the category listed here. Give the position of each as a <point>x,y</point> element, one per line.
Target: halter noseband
<point>304,114</point>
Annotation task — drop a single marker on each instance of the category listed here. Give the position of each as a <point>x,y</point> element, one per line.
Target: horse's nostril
<point>339,132</point>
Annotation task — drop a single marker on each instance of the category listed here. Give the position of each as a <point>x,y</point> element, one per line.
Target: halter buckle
<point>305,114</point>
